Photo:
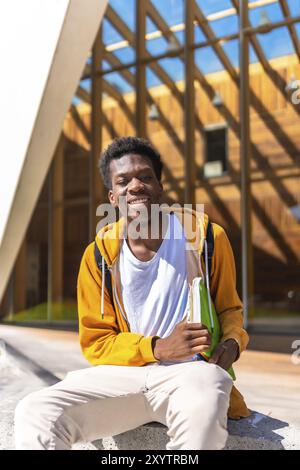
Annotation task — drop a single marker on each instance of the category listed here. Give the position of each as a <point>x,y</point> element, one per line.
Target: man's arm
<point>100,339</point>
<point>227,302</point>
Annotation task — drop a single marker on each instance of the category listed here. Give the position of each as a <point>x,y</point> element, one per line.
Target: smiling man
<point>133,324</point>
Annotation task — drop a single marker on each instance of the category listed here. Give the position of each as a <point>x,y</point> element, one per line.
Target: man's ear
<point>111,198</point>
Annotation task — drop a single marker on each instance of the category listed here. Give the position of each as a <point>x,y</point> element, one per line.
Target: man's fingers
<point>196,326</point>
<point>192,334</point>
<point>203,340</point>
<point>223,362</point>
<point>217,354</point>
<point>200,349</point>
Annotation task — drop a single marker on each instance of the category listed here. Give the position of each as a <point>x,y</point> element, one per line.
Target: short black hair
<point>124,146</point>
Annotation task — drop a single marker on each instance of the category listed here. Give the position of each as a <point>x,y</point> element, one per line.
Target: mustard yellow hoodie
<point>104,332</point>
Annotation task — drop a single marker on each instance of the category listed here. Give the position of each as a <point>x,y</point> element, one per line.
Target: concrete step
<point>258,432</point>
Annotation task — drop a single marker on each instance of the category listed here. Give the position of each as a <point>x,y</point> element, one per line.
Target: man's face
<point>134,181</point>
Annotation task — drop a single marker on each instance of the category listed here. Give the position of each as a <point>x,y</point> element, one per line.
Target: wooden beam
<point>116,95</point>
<point>155,67</point>
<point>83,94</point>
<point>50,244</point>
<point>58,222</point>
<point>87,70</point>
<point>162,25</point>
<point>115,63</point>
<point>180,26</point>
<point>278,24</point>
<point>80,124</point>
<point>118,23</point>
<point>276,78</point>
<point>217,47</point>
<point>168,34</point>
<point>123,29</point>
<point>96,188</point>
<point>140,86</point>
<point>164,120</point>
<point>245,156</point>
<point>292,30</point>
<point>189,104</point>
<point>19,275</point>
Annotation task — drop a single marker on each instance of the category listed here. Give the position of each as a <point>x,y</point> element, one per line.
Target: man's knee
<point>40,422</point>
<point>203,394</point>
<point>26,408</point>
<point>219,377</point>
<point>206,376</point>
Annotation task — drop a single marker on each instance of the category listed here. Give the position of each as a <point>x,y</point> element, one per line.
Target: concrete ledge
<point>256,432</point>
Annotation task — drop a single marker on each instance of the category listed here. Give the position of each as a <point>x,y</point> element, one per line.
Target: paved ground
<point>35,358</point>
<point>16,381</point>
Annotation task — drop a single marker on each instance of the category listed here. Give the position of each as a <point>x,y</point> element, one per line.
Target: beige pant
<point>190,398</point>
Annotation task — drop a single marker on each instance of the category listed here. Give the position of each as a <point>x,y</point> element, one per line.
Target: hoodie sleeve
<point>223,290</point>
<point>101,340</point>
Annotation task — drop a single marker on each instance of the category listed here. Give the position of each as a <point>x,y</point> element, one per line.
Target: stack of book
<point>201,310</point>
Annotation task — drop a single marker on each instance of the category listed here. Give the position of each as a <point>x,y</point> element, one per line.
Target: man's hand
<point>225,354</point>
<point>186,340</point>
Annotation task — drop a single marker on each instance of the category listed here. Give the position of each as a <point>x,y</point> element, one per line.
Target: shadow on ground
<point>259,431</point>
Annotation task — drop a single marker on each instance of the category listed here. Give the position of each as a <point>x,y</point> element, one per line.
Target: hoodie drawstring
<point>102,288</point>
<point>207,283</point>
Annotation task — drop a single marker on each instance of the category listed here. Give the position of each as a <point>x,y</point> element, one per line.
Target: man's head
<point>131,168</point>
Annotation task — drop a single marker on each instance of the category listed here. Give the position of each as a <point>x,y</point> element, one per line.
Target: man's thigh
<point>100,401</point>
<point>107,380</point>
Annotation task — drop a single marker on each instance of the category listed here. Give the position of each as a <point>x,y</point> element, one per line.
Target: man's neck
<point>145,247</point>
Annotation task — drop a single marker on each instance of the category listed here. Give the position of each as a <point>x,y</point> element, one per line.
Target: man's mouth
<point>140,200</point>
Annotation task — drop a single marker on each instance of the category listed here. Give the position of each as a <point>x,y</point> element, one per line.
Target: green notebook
<point>202,310</point>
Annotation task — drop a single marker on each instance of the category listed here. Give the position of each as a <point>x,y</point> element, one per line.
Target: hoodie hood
<point>110,237</point>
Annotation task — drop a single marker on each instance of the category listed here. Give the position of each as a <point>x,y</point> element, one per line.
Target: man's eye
<point>146,178</point>
<point>122,182</point>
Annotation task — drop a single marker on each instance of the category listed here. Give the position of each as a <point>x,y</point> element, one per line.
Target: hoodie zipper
<point>118,302</point>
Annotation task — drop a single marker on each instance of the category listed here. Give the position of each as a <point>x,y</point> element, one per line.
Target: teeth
<point>138,200</point>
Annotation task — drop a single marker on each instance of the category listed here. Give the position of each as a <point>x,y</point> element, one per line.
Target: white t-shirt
<point>155,292</point>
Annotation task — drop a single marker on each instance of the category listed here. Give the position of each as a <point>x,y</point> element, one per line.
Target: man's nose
<point>135,185</point>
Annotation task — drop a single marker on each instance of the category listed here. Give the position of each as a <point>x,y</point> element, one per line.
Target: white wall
<point>43,48</point>
<point>30,30</point>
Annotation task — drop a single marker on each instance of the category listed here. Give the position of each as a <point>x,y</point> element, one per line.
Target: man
<point>147,357</point>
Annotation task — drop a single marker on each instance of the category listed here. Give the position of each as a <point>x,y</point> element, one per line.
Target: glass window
<point>276,43</point>
<point>214,6</point>
<point>215,151</point>
<point>231,48</point>
<point>126,55</point>
<point>294,6</point>
<point>207,60</point>
<point>173,67</point>
<point>125,10</point>
<point>110,34</point>
<point>172,11</point>
<point>119,83</point>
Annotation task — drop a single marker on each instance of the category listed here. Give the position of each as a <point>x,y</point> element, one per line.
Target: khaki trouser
<point>190,398</point>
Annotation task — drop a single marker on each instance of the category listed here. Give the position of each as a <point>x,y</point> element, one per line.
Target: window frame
<point>211,128</point>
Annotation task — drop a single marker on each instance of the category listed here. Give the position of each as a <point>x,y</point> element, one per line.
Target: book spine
<point>196,301</point>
